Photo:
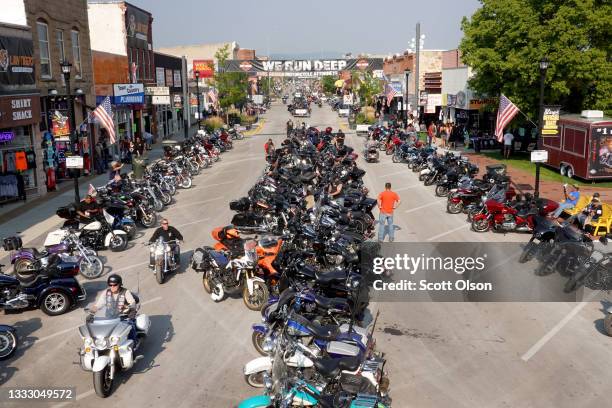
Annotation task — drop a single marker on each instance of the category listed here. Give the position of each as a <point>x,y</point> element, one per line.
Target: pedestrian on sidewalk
<point>569,202</point>
<point>388,201</point>
<point>148,137</point>
<point>508,139</point>
<point>431,132</point>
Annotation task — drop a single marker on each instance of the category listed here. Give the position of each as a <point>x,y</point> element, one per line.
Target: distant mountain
<point>307,55</point>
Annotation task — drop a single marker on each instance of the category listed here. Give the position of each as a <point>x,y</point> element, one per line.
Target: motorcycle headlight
<point>114,341</point>
<point>88,342</point>
<point>268,345</point>
<point>101,343</point>
<point>538,235</point>
<point>267,381</point>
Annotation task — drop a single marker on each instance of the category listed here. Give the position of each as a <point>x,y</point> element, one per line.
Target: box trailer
<point>583,148</point>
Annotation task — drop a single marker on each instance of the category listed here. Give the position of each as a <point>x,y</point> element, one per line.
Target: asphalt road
<point>439,354</point>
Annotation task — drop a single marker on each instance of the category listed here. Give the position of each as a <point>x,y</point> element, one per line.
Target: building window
<point>43,45</point>
<point>147,67</point>
<point>59,37</point>
<point>143,64</point>
<point>76,52</point>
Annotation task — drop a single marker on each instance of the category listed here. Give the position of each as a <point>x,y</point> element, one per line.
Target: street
<point>438,354</point>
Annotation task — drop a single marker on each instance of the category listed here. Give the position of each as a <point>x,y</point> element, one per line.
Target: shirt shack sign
<point>303,68</point>
<point>19,110</point>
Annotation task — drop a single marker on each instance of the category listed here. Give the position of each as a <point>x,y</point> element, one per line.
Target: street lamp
<point>543,68</point>
<point>197,77</point>
<point>66,68</point>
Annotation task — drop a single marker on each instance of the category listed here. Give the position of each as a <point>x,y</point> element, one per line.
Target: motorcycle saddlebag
<point>67,212</point>
<point>242,204</point>
<point>12,243</point>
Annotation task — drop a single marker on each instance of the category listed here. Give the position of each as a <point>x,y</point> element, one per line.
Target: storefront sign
<point>157,90</point>
<point>551,121</point>
<point>160,76</point>
<point>137,25</point>
<point>60,125</point>
<point>601,153</point>
<point>433,100</point>
<point>449,100</point>
<point>539,156</point>
<point>19,110</point>
<point>290,67</point>
<point>480,102</point>
<point>127,94</point>
<point>422,98</point>
<point>16,62</point>
<point>6,136</point>
<point>206,68</point>
<point>74,162</point>
<point>160,99</point>
<point>178,101</point>
<point>177,78</point>
<point>347,99</point>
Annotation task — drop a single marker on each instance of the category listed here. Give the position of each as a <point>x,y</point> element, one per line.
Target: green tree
<point>232,86</point>
<point>368,88</point>
<point>505,40</point>
<point>328,83</point>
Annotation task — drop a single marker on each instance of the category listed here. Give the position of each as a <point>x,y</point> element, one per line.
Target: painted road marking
<point>448,232</point>
<point>425,206</point>
<point>407,187</point>
<point>548,336</point>
<point>198,202</point>
<point>393,174</point>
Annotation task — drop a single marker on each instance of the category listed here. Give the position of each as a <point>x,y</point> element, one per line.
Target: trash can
<point>138,166</point>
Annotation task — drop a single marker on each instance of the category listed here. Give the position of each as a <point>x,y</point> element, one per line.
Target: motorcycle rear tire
<point>608,324</point>
<point>52,298</point>
<point>259,298</point>
<point>528,252</point>
<point>103,384</point>
<point>8,344</point>
<point>396,159</point>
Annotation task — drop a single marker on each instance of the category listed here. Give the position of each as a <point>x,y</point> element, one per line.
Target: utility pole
<point>416,77</point>
<point>186,100</point>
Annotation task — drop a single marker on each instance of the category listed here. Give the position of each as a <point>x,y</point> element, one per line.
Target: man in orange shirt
<point>387,202</point>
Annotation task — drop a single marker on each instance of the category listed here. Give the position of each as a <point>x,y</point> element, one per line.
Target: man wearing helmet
<point>117,300</point>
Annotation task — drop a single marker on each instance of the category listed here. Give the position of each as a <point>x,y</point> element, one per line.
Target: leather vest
<point>117,304</point>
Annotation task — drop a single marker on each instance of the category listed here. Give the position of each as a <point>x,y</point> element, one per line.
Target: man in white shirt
<point>508,139</point>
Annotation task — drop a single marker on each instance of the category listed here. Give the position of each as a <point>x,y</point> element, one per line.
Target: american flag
<point>507,110</point>
<point>104,114</point>
<point>212,96</point>
<point>390,92</point>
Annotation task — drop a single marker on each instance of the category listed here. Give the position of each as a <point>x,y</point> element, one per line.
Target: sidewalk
<point>36,217</point>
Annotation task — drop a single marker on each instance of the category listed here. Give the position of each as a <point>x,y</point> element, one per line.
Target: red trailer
<point>583,148</point>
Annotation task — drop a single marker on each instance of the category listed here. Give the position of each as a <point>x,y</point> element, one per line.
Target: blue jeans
<point>562,206</point>
<point>385,225</point>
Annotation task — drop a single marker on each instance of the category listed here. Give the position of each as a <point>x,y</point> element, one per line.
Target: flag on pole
<point>507,110</point>
<point>212,96</point>
<point>104,114</point>
<point>390,93</point>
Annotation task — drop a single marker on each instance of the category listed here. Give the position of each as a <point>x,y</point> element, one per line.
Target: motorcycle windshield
<point>104,321</point>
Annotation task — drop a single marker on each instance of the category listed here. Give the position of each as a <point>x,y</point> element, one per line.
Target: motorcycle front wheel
<point>396,159</point>
<point>166,198</point>
<point>441,191</point>
<point>258,298</point>
<point>148,219</point>
<point>528,252</point>
<point>103,384</point>
<point>481,225</point>
<point>159,273</point>
<point>118,243</point>
<point>91,269</point>
<point>454,208</point>
<point>255,380</point>
<point>8,344</point>
<point>186,182</point>
<point>206,282</point>
<point>257,339</point>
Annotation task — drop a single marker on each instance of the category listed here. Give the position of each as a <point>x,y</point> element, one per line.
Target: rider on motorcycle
<point>87,208</point>
<point>118,300</point>
<point>170,235</point>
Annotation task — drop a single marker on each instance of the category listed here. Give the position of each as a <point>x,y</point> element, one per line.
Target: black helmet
<point>114,278</point>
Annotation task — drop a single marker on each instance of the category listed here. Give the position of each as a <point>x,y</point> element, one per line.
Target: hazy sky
<point>290,26</point>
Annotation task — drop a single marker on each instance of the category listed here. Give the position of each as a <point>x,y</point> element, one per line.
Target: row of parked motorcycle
<point>492,203</point>
<point>45,277</point>
<point>304,276</point>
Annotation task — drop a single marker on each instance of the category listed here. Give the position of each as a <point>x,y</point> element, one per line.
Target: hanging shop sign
<point>16,62</point>
<point>433,100</point>
<point>478,103</point>
<point>60,126</point>
<point>6,136</point>
<point>302,67</point>
<point>160,99</point>
<point>160,76</point>
<point>127,94</point>
<point>206,68</point>
<point>422,98</point>
<point>177,78</point>
<point>137,25</point>
<point>157,90</point>
<point>19,110</point>
<point>178,101</point>
<point>550,126</point>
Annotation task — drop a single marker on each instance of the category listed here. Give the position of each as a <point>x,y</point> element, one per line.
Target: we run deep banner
<point>300,67</point>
